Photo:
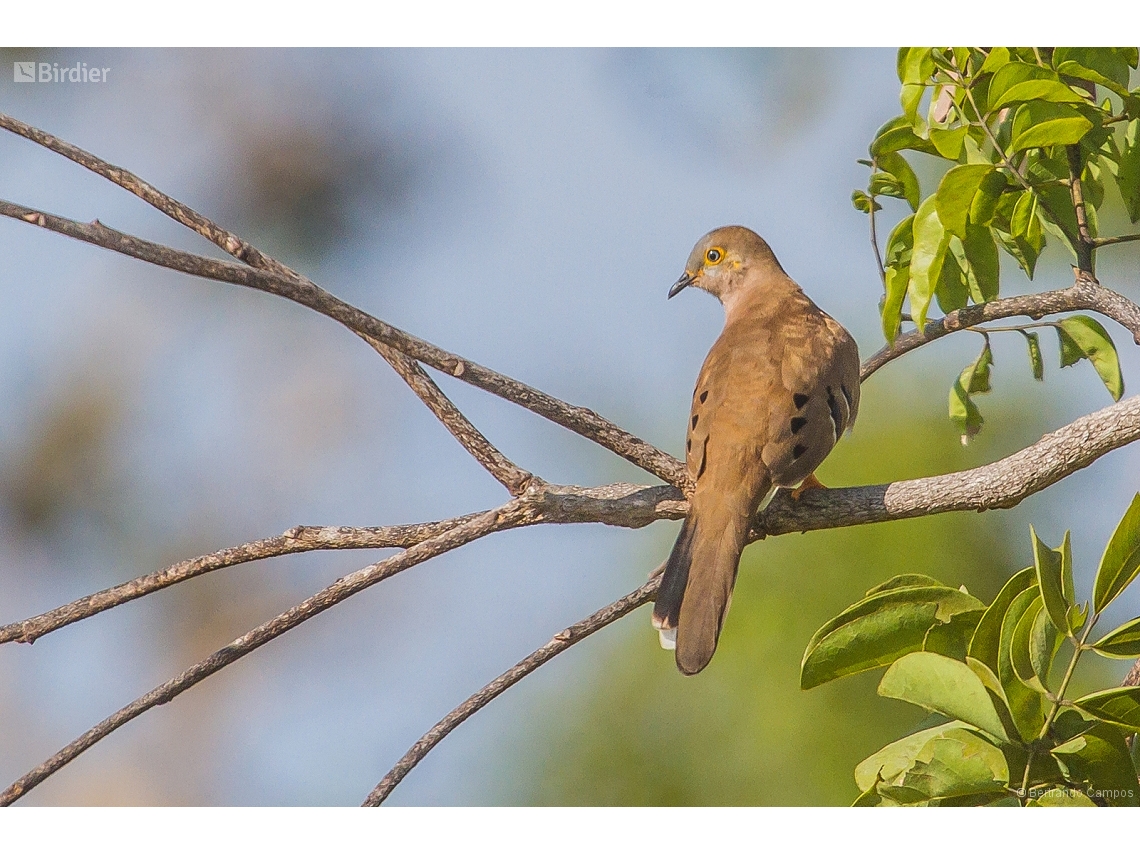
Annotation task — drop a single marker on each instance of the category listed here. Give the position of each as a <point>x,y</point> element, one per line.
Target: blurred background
<point>527,209</point>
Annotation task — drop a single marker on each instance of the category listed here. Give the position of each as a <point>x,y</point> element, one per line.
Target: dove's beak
<point>681,284</point>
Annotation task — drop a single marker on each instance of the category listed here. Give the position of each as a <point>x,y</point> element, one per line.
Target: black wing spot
<point>798,424</point>
<point>705,395</point>
<point>688,445</point>
<point>798,451</point>
<point>695,417</point>
<point>836,413</point>
<point>799,399</point>
<point>704,458</point>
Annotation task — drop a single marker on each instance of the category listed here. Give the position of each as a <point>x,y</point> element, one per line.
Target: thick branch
<point>508,516</point>
<point>1086,294</point>
<point>1001,484</point>
<point>562,641</point>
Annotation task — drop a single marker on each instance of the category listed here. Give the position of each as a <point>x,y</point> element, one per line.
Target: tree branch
<point>302,538</point>
<point>508,516</point>
<point>1002,484</point>
<point>564,640</point>
<point>580,420</point>
<point>514,478</point>
<point>1084,246</point>
<point>1108,241</point>
<point>998,485</point>
<point>502,469</point>
<point>1086,294</point>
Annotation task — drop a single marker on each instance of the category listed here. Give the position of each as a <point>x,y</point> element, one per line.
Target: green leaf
<point>982,258</point>
<point>1083,337</point>
<point>1044,642</point>
<point>1018,228</point>
<point>1024,703</point>
<point>986,199</point>
<point>953,638</point>
<point>863,202</point>
<point>1019,652</point>
<point>1121,560</point>
<point>944,686</point>
<point>985,643</point>
<point>1035,360</point>
<point>958,762</point>
<point>905,580</point>
<point>1097,65</point>
<point>1024,217</point>
<point>897,135</point>
<point>948,143</point>
<point>1098,760</point>
<point>994,687</point>
<point>1020,81</point>
<point>956,193</point>
<point>973,379</point>
<point>1061,797</point>
<point>897,265</point>
<point>930,242</point>
<point>896,165</point>
<point>1128,174</point>
<point>1122,643</point>
<point>1056,206</point>
<point>1048,563</point>
<point>1115,706</point>
<point>915,65</point>
<point>878,630</point>
<point>892,761</point>
<point>995,59</point>
<point>953,289</point>
<point>1038,124</point>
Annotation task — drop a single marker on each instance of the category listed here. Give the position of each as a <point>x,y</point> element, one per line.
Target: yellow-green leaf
<point>1039,124</point>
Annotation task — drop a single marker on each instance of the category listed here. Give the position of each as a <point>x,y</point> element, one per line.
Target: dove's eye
<point>714,255</point>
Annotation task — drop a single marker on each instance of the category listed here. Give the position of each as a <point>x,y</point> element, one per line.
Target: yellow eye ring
<point>714,255</point>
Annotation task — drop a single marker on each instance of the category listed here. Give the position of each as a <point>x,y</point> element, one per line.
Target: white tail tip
<point>668,638</point>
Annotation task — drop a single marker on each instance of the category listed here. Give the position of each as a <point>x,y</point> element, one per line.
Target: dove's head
<point>727,262</point>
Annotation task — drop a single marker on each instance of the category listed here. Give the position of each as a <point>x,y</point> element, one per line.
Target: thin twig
<point>580,420</point>
<point>559,643</point>
<point>298,539</point>
<point>875,247</point>
<point>1108,241</point>
<point>514,478</point>
<point>507,473</point>
<point>508,516</point>
<point>1084,247</point>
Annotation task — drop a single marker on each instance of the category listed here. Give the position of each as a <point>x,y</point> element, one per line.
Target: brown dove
<point>777,390</point>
